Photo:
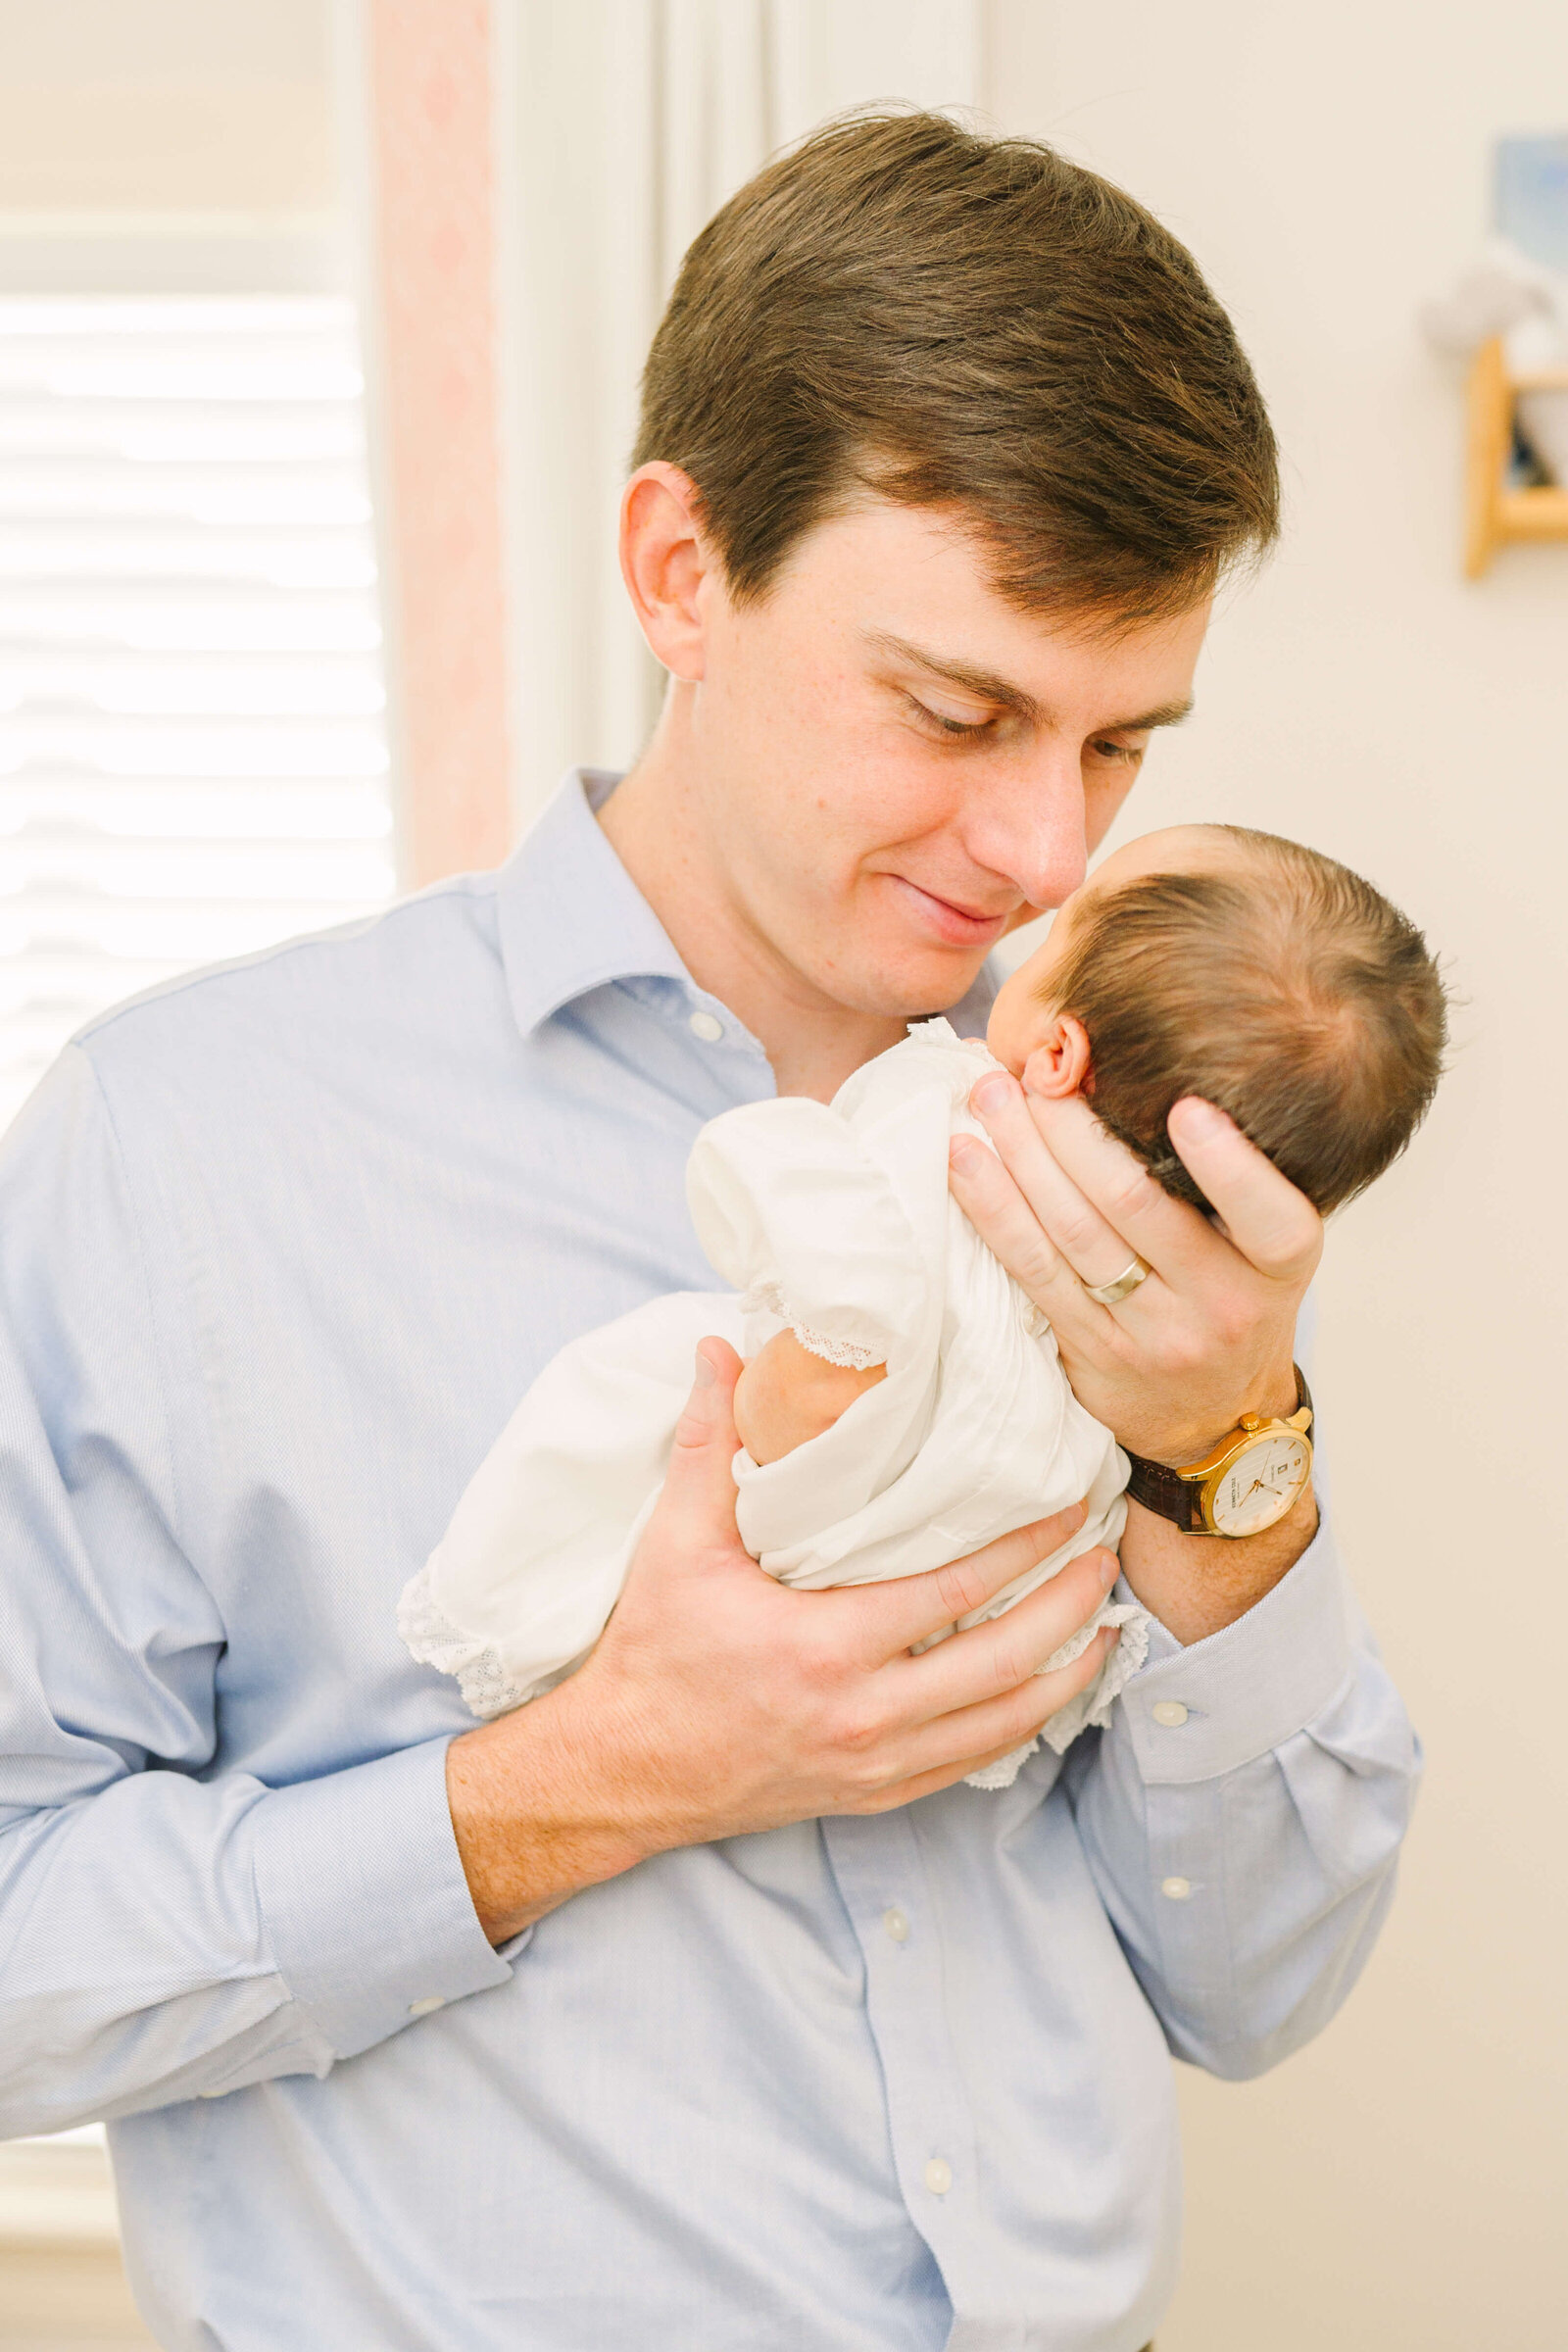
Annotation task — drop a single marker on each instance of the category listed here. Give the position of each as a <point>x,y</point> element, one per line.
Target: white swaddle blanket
<point>835,1220</point>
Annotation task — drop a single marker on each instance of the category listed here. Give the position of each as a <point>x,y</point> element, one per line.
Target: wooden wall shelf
<point>1497,516</point>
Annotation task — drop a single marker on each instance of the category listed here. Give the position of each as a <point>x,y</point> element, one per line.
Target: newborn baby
<point>903,1402</point>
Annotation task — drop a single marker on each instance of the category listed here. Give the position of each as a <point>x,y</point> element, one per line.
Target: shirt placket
<point>886,1890</point>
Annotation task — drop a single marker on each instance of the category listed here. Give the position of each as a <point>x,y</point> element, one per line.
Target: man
<point>699,2004</point>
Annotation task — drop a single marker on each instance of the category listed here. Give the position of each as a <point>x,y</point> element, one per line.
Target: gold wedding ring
<point>1111,1294</point>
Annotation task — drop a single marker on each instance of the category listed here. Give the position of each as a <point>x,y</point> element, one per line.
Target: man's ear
<point>666,563</point>
<point>1063,1065</point>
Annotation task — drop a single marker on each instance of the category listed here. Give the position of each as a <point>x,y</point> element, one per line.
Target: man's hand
<point>1211,1333</point>
<point>1209,1336</point>
<point>720,1701</point>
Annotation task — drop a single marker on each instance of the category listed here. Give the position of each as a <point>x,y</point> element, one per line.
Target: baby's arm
<point>786,1395</point>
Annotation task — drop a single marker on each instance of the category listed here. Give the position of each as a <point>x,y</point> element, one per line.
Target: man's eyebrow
<point>1164,714</point>
<point>984,684</point>
<point>989,687</point>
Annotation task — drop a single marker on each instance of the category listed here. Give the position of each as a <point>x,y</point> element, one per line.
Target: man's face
<point>895,764</point>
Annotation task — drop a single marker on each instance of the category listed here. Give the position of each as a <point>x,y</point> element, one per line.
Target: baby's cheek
<point>1018,1022</point>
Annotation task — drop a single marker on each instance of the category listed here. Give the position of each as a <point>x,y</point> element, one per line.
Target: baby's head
<point>1215,961</point>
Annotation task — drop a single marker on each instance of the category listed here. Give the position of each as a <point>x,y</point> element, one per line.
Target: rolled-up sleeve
<point>1242,1816</point>
<point>166,1928</point>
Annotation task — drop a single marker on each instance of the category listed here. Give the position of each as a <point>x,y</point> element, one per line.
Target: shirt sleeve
<point>166,1928</point>
<point>1242,1816</point>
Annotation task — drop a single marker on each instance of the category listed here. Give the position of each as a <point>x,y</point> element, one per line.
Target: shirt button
<point>431,2002</point>
<point>897,1926</point>
<point>708,1026</point>
<point>1169,1713</point>
<point>1176,1889</point>
<point>938,2175</point>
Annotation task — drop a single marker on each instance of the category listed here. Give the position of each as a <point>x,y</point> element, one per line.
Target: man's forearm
<point>1246,1868</point>
<point>533,1811</point>
<point>240,1933</point>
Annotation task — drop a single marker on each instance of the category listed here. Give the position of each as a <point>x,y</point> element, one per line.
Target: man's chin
<point>901,986</point>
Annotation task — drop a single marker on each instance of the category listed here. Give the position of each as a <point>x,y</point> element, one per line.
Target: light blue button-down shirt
<point>281,1245</point>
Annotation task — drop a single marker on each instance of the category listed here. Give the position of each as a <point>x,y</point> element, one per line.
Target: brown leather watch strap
<point>1162,1490</point>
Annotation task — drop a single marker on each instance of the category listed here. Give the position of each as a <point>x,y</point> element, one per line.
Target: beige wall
<point>1401,2184</point>
<point>166,106</point>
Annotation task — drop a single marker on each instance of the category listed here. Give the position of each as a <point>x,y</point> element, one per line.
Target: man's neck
<point>813,1043</point>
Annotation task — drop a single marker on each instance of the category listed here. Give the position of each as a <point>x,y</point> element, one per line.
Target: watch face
<point>1261,1483</point>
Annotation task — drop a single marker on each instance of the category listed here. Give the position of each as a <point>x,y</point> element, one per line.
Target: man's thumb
<point>699,1482</point>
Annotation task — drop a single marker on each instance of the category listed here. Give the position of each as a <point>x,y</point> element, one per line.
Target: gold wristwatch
<point>1248,1482</point>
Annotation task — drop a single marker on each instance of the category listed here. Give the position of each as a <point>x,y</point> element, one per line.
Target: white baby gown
<point>835,1220</point>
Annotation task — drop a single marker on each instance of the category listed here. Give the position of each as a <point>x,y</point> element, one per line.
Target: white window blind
<point>193,759</point>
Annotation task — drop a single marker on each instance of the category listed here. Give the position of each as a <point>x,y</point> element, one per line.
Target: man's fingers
<point>998,1211</point>
<point>1275,1227</point>
<point>1175,1239</point>
<point>1003,1652</point>
<point>882,1620</point>
<point>697,1508</point>
<point>974,1737</point>
<point>1094,1249</point>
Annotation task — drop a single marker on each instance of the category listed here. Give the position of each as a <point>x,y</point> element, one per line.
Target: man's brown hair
<point>1283,988</point>
<point>904,306</point>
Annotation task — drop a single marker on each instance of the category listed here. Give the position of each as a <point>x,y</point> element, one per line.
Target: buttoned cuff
<point>364,1900</point>
<point>1192,1714</point>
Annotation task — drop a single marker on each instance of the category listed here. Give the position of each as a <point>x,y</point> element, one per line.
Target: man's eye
<point>1127,754</point>
<point>947,726</point>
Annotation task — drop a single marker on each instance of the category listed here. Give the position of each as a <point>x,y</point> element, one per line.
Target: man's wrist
<point>1273,1398</point>
<point>1198,1585</point>
<point>1252,1687</point>
<point>362,1901</point>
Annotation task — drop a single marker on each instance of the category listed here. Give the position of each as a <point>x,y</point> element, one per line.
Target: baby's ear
<point>1063,1065</point>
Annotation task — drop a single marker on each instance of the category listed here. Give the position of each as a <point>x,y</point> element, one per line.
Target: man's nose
<point>1032,827</point>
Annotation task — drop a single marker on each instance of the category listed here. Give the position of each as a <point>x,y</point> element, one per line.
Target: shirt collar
<point>572,919</point>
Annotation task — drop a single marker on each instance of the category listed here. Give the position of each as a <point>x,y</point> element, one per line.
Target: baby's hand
<point>786,1395</point>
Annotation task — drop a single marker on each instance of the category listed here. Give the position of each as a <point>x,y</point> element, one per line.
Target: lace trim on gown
<point>486,1685</point>
<point>766,1297</point>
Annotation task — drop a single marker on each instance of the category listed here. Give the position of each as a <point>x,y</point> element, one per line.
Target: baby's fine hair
<point>1285,989</point>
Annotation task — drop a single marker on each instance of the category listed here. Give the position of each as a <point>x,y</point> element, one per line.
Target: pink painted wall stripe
<point>430,83</point>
